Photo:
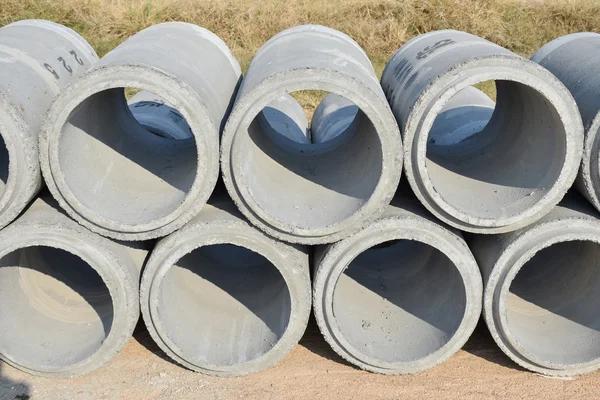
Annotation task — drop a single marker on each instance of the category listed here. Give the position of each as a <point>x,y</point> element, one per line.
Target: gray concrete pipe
<point>513,171</point>
<point>542,290</point>
<point>319,192</point>
<point>571,59</point>
<point>105,169</point>
<point>68,297</point>
<point>400,296</point>
<point>158,116</point>
<point>38,58</point>
<point>334,116</point>
<point>222,298</point>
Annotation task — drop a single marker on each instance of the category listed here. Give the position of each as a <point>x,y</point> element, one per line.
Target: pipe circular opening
<point>119,167</point>
<point>223,305</point>
<point>399,301</point>
<point>56,311</point>
<point>553,302</point>
<point>495,166</point>
<point>314,183</point>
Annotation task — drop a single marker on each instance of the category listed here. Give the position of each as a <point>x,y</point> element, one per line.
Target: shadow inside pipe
<point>414,277</point>
<point>399,301</point>
<point>521,146</point>
<point>240,303</point>
<point>13,390</point>
<point>105,124</point>
<point>321,163</point>
<point>563,279</point>
<point>245,276</point>
<point>52,300</point>
<point>553,303</point>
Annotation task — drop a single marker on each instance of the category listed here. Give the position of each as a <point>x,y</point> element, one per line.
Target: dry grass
<point>379,26</point>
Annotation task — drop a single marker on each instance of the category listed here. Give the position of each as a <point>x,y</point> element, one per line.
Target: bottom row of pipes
<point>222,298</point>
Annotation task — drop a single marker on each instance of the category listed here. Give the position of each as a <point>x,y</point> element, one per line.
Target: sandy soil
<point>312,371</point>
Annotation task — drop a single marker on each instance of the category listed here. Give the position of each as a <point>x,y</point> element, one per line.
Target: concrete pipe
<point>400,296</point>
<point>284,120</point>
<point>159,117</point>
<point>38,58</point>
<point>464,116</point>
<point>221,298</point>
<point>283,117</point>
<point>571,59</point>
<point>319,192</point>
<point>105,169</point>
<point>333,117</point>
<point>68,297</point>
<point>514,170</point>
<point>542,290</point>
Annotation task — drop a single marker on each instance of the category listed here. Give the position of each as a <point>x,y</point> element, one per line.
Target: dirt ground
<point>312,371</point>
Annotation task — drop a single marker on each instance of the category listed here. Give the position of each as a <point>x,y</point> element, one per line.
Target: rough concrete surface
<point>311,371</point>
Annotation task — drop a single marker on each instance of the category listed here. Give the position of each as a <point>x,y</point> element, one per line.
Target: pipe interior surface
<point>119,169</point>
<point>399,301</point>
<point>223,305</point>
<point>510,165</point>
<point>553,303</point>
<point>310,185</point>
<point>55,309</point>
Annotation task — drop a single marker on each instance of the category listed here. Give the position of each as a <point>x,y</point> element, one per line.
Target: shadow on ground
<point>312,340</point>
<point>11,390</point>
<point>482,345</point>
<point>315,342</point>
<point>143,337</point>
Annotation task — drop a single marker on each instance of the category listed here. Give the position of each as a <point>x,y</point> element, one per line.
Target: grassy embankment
<point>379,26</point>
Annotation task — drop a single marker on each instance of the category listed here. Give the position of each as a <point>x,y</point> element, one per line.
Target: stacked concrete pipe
<point>513,171</point>
<point>283,117</point>
<point>571,59</point>
<point>542,290</point>
<point>334,116</point>
<point>158,116</point>
<point>284,120</point>
<point>68,297</point>
<point>319,192</point>
<point>38,58</point>
<point>400,296</point>
<point>222,298</point>
<point>105,168</point>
